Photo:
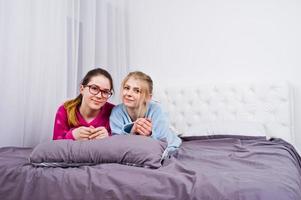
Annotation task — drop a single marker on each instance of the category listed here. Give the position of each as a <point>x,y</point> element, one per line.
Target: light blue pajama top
<point>121,123</point>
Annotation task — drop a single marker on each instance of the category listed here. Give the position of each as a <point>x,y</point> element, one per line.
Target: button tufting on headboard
<point>269,104</point>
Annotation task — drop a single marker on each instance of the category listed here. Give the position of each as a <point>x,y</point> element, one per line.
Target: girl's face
<point>96,92</point>
<point>131,93</point>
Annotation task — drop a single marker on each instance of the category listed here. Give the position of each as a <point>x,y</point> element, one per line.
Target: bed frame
<point>269,104</point>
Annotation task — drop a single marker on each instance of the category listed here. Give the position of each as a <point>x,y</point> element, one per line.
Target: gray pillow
<point>131,150</point>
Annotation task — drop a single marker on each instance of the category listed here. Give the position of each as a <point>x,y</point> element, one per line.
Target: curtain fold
<point>104,39</point>
<point>46,48</point>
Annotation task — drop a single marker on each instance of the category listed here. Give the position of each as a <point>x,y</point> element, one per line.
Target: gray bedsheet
<point>217,168</point>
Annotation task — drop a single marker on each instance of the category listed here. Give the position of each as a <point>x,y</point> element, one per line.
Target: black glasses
<point>95,90</point>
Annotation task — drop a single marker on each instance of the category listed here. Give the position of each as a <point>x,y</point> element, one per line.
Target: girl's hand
<point>82,133</point>
<point>99,133</point>
<point>142,126</point>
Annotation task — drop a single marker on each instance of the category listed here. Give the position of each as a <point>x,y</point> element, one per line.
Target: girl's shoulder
<point>118,108</point>
<point>61,108</point>
<point>107,109</point>
<point>154,104</point>
<point>109,105</point>
<point>61,111</point>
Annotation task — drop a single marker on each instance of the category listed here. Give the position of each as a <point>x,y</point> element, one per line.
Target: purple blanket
<point>217,168</point>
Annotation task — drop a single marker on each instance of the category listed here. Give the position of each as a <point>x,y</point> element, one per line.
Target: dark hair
<point>96,72</point>
<point>72,104</point>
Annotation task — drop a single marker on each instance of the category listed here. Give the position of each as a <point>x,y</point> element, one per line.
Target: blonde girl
<point>138,114</point>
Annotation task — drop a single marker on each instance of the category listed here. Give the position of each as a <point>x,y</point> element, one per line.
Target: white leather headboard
<point>269,104</point>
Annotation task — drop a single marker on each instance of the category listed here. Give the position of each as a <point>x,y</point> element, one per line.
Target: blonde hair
<point>71,106</point>
<point>146,89</point>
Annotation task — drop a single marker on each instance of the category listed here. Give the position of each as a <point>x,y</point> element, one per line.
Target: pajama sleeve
<point>161,128</point>
<point>61,128</point>
<point>119,123</point>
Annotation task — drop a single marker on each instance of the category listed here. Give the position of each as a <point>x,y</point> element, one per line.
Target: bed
<point>238,144</point>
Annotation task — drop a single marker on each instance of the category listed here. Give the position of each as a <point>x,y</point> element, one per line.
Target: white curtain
<point>46,48</point>
<point>104,40</point>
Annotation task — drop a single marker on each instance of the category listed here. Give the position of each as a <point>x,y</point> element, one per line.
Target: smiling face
<point>91,100</point>
<point>136,92</point>
<point>132,93</point>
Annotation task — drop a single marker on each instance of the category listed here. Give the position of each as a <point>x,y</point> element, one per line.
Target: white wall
<point>216,40</point>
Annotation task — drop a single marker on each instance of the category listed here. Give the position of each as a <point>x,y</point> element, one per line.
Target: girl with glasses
<point>138,114</point>
<point>87,116</point>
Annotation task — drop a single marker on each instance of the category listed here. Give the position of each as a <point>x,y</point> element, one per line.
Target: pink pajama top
<point>62,130</point>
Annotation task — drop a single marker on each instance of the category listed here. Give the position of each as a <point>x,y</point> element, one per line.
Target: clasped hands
<point>142,126</point>
<point>90,133</point>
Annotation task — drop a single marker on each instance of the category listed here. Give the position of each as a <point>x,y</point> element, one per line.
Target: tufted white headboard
<point>268,104</point>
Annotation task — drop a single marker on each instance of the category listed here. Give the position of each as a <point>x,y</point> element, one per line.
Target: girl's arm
<point>161,128</point>
<point>61,128</point>
<point>119,123</point>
